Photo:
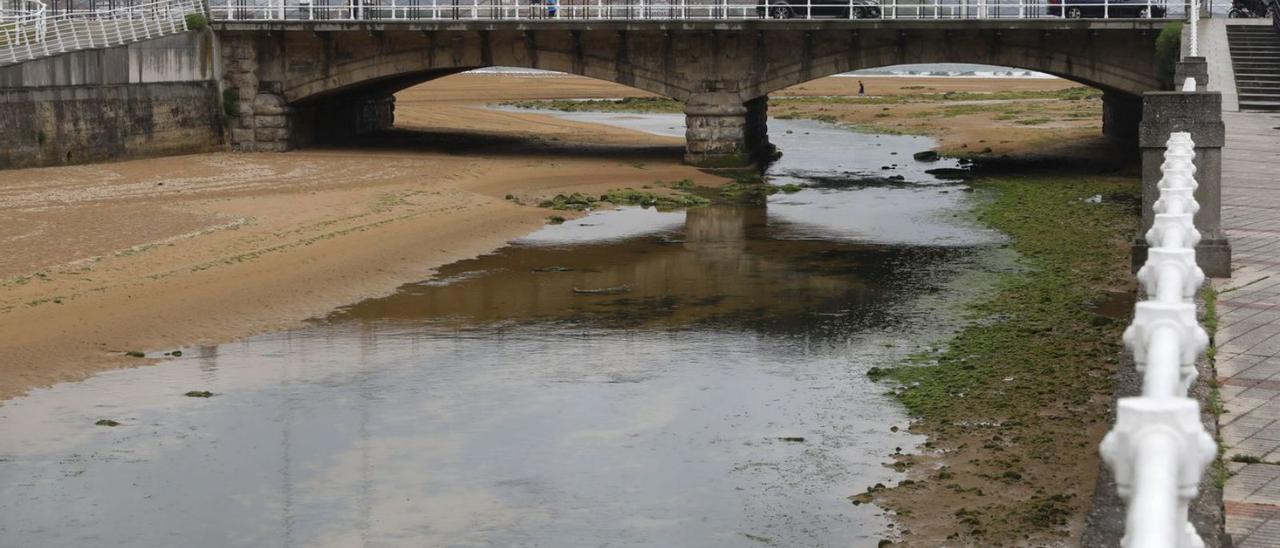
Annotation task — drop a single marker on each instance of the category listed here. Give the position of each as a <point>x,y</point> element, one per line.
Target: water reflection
<point>719,400</point>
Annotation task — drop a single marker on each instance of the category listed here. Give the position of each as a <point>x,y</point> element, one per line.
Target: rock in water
<point>926,156</point>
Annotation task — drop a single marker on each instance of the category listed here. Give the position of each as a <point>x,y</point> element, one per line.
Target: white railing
<point>1158,448</point>
<point>31,33</point>
<point>21,22</point>
<point>418,10</point>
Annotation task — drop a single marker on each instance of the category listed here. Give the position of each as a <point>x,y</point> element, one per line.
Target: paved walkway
<point>1248,336</point>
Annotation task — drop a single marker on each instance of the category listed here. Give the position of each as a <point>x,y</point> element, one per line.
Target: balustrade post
<point>1200,114</point>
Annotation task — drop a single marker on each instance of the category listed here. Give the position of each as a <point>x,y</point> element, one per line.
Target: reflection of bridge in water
<point>723,264</point>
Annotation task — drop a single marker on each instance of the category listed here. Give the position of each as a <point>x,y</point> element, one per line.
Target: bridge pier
<point>1199,113</point>
<point>1121,116</point>
<point>722,131</point>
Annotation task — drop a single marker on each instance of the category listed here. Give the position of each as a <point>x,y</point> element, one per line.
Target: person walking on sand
<point>861,90</point>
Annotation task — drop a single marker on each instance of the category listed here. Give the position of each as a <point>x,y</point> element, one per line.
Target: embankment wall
<point>145,99</point>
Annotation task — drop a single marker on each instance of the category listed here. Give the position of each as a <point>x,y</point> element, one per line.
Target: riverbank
<point>101,262</point>
<point>1015,404</point>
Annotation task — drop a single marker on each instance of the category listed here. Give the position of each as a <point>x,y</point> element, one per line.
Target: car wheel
<point>780,11</point>
<point>1075,13</point>
<point>857,13</point>
<point>1144,13</point>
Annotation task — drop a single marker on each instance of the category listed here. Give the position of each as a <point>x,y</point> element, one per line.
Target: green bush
<point>231,102</point>
<point>196,21</point>
<point>1168,53</point>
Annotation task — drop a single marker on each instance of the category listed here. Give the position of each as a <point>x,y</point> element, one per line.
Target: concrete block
<point>266,134</point>
<point>279,121</point>
<point>276,146</point>
<point>269,104</point>
<point>240,136</point>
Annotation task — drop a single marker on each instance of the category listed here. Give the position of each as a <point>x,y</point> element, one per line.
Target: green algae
<point>1023,390</point>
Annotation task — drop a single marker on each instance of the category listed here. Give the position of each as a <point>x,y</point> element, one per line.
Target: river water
<point>722,400</point>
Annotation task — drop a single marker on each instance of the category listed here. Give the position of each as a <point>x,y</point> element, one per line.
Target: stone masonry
<point>261,120</point>
<point>332,79</point>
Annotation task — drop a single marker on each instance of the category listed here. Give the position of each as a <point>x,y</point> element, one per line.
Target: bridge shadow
<point>1096,156</point>
<point>491,144</point>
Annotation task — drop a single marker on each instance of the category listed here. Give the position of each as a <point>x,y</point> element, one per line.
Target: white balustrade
<point>1158,448</point>
<point>30,32</point>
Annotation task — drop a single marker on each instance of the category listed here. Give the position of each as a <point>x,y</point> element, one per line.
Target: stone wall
<point>145,99</point>
<point>77,124</point>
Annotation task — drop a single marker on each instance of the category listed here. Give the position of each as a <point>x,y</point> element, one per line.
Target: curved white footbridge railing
<point>1158,448</point>
<point>27,31</point>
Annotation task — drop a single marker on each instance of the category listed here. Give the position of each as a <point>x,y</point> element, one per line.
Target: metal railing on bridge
<point>534,10</point>
<point>1158,448</point>
<point>28,31</point>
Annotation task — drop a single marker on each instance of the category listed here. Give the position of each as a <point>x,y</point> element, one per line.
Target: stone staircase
<point>1255,57</point>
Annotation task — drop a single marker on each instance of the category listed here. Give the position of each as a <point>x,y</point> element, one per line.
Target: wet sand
<point>147,255</point>
<point>100,260</point>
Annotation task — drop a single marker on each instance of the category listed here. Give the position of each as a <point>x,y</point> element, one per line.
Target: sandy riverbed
<point>151,254</point>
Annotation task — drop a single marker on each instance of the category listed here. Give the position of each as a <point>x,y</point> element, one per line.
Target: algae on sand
<point>1021,396</point>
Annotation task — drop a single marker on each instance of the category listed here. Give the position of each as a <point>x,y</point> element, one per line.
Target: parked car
<point>844,9</point>
<point>1096,9</point>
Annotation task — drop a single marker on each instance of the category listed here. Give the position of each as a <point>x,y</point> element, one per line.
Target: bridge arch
<point>722,71</point>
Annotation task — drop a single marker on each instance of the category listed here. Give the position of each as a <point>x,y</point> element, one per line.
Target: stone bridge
<point>298,82</point>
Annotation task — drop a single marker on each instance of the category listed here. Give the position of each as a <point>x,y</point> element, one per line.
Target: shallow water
<point>717,397</point>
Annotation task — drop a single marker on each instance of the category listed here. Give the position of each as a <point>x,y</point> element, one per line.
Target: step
<point>1260,106</point>
<point>1252,98</point>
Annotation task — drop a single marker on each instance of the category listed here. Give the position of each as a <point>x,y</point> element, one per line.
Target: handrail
<point>33,33</point>
<point>541,10</point>
<point>31,17</point>
<point>1158,449</point>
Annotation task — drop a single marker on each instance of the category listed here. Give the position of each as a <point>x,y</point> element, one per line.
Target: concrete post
<point>716,130</point>
<point>1121,115</point>
<point>1192,67</point>
<point>1199,113</point>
